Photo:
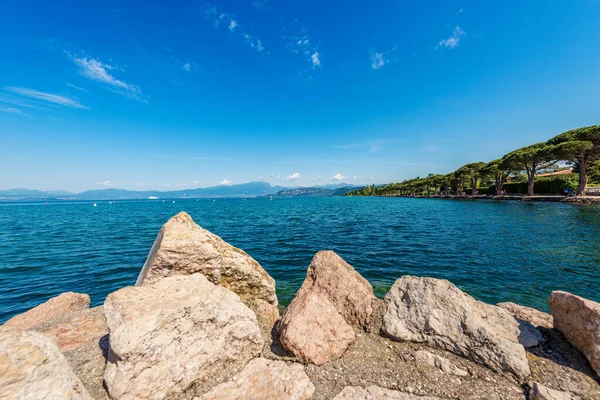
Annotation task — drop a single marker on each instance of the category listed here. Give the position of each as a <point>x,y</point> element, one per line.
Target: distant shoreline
<point>541,198</point>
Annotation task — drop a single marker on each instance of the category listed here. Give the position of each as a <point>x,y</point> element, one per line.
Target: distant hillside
<point>250,189</point>
<point>314,191</point>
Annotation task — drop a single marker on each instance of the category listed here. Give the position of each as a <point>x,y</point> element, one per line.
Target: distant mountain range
<point>250,189</point>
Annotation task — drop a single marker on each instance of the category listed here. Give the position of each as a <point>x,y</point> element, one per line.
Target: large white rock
<point>184,248</point>
<point>377,393</point>
<point>265,379</point>
<point>537,391</point>
<point>32,367</point>
<point>176,336</point>
<point>435,312</point>
<point>579,320</point>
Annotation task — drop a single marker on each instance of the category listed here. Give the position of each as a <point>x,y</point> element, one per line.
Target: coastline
<point>540,198</point>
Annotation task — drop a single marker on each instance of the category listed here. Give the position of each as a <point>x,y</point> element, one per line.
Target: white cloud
<point>293,177</point>
<point>77,87</point>
<point>225,182</point>
<point>315,59</point>
<point>106,184</point>
<point>187,67</point>
<point>378,60</point>
<point>47,97</point>
<point>371,178</point>
<point>232,25</point>
<point>98,71</point>
<point>354,178</point>
<point>13,110</point>
<point>454,39</point>
<point>338,177</point>
<point>253,42</point>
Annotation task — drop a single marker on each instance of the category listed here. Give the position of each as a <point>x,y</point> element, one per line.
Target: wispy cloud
<point>299,42</point>
<point>293,177</point>
<point>48,98</point>
<point>12,110</point>
<point>225,182</point>
<point>98,71</point>
<point>187,67</point>
<point>261,4</point>
<point>378,60</point>
<point>372,145</point>
<point>453,40</point>
<point>338,177</point>
<point>223,19</point>
<point>106,184</point>
<point>77,87</point>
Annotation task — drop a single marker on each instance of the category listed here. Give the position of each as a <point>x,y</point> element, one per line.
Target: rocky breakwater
<point>202,323</point>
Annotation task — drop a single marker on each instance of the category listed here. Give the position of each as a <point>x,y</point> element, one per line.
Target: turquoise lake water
<point>495,251</point>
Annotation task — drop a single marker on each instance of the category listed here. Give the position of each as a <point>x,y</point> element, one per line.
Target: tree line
<point>580,148</point>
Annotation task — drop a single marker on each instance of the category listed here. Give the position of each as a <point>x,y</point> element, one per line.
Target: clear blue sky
<point>150,95</point>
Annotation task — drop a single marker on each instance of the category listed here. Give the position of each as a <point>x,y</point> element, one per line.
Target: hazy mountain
<point>250,189</point>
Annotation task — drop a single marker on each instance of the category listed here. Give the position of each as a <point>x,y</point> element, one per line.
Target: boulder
<point>181,334</point>
<point>312,329</point>
<point>537,391</point>
<point>317,325</point>
<point>184,248</point>
<point>265,379</point>
<point>377,393</point>
<point>346,289</point>
<point>32,367</point>
<point>578,319</point>
<point>441,363</point>
<point>76,329</point>
<point>535,317</point>
<point>435,312</point>
<point>56,306</point>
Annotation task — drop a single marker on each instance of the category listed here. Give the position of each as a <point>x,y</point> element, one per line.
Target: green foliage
<point>514,172</point>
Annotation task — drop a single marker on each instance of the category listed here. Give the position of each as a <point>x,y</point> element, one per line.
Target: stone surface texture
<point>32,367</point>
<point>435,312</point>
<point>537,391</point>
<point>578,319</point>
<point>441,363</point>
<point>318,324</point>
<point>61,304</point>
<point>377,393</point>
<point>181,334</point>
<point>535,317</point>
<point>312,329</point>
<point>77,328</point>
<point>184,248</point>
<point>265,379</point>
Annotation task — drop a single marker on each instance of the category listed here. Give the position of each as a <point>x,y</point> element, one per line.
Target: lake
<point>495,251</point>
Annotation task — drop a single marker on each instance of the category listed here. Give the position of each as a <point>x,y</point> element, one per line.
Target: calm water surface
<point>496,251</point>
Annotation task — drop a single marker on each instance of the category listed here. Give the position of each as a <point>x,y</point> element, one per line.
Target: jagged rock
<point>377,393</point>
<point>578,319</point>
<point>184,248</point>
<point>61,304</point>
<point>537,391</point>
<point>346,289</point>
<point>316,326</point>
<point>182,333</point>
<point>435,312</point>
<point>528,314</point>
<point>441,363</point>
<point>265,379</point>
<point>32,367</point>
<point>313,330</point>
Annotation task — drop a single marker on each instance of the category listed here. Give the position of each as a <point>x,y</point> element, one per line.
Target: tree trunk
<point>531,181</point>
<point>474,186</point>
<point>582,177</point>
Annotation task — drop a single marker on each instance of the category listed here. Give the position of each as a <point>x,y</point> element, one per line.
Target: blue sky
<point>150,95</point>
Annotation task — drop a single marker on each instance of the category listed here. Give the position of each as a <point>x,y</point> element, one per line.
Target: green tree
<point>472,172</point>
<point>499,170</point>
<point>581,145</point>
<point>531,159</point>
